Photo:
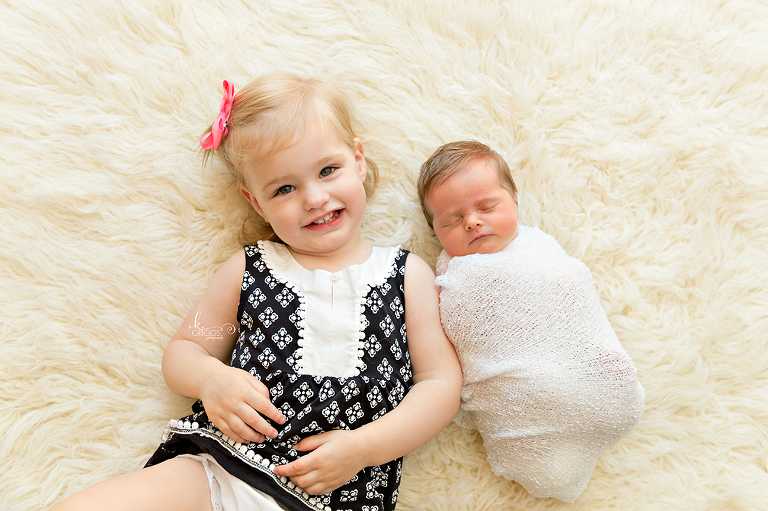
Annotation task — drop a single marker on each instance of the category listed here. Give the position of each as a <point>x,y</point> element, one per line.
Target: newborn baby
<point>546,381</point>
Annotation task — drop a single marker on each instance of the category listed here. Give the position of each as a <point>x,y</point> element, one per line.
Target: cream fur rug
<point>638,131</point>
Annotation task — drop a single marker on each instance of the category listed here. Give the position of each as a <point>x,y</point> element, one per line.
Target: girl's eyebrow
<point>274,182</point>
<point>328,159</point>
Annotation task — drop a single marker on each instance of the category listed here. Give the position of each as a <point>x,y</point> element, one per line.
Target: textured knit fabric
<point>546,381</point>
<point>273,322</point>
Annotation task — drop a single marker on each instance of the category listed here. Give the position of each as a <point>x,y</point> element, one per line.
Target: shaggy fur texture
<point>637,131</point>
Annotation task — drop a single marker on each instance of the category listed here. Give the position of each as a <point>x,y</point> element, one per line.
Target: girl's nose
<point>314,197</point>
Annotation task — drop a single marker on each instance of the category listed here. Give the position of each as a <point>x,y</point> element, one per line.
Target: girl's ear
<point>252,200</point>
<point>362,165</point>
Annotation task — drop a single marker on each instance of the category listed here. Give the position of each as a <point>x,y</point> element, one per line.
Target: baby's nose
<point>471,221</point>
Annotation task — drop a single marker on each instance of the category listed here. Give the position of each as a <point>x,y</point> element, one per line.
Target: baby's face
<point>472,212</point>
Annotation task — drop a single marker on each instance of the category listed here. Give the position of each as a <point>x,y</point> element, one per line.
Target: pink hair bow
<point>219,130</point>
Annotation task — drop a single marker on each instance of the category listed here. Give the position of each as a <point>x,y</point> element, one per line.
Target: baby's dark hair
<point>449,159</point>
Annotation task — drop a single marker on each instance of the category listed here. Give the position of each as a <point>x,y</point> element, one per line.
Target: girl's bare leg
<point>176,484</point>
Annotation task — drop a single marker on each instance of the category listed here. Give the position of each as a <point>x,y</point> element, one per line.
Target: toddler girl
<point>338,365</point>
<point>546,381</point>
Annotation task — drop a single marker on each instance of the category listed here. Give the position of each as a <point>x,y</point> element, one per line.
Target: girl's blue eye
<point>284,189</point>
<point>326,171</point>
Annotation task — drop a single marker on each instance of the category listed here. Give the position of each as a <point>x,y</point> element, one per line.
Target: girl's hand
<point>335,457</point>
<point>237,402</point>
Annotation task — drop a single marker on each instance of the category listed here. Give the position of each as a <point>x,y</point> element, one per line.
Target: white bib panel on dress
<point>331,332</point>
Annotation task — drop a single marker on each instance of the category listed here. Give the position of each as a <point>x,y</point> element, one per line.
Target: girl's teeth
<point>325,219</point>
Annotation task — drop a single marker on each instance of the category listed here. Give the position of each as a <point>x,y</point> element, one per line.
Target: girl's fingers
<point>245,434</point>
<point>258,424</point>
<point>310,443</point>
<point>241,408</point>
<point>232,433</point>
<point>234,425</point>
<point>298,471</point>
<point>262,404</point>
<point>292,469</point>
<point>249,423</point>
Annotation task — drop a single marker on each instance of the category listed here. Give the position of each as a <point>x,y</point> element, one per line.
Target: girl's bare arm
<point>196,362</point>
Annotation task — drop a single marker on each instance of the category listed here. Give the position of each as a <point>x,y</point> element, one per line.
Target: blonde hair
<point>272,113</point>
<point>449,159</point>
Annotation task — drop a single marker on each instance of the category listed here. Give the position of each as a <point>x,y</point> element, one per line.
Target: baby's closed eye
<point>452,220</point>
<point>488,206</point>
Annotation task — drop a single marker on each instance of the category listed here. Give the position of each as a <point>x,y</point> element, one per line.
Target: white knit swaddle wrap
<point>546,381</point>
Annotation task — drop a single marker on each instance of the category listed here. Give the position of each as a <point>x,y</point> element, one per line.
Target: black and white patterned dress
<point>332,350</point>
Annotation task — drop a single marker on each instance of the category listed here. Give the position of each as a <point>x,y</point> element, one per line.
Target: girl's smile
<point>330,218</point>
